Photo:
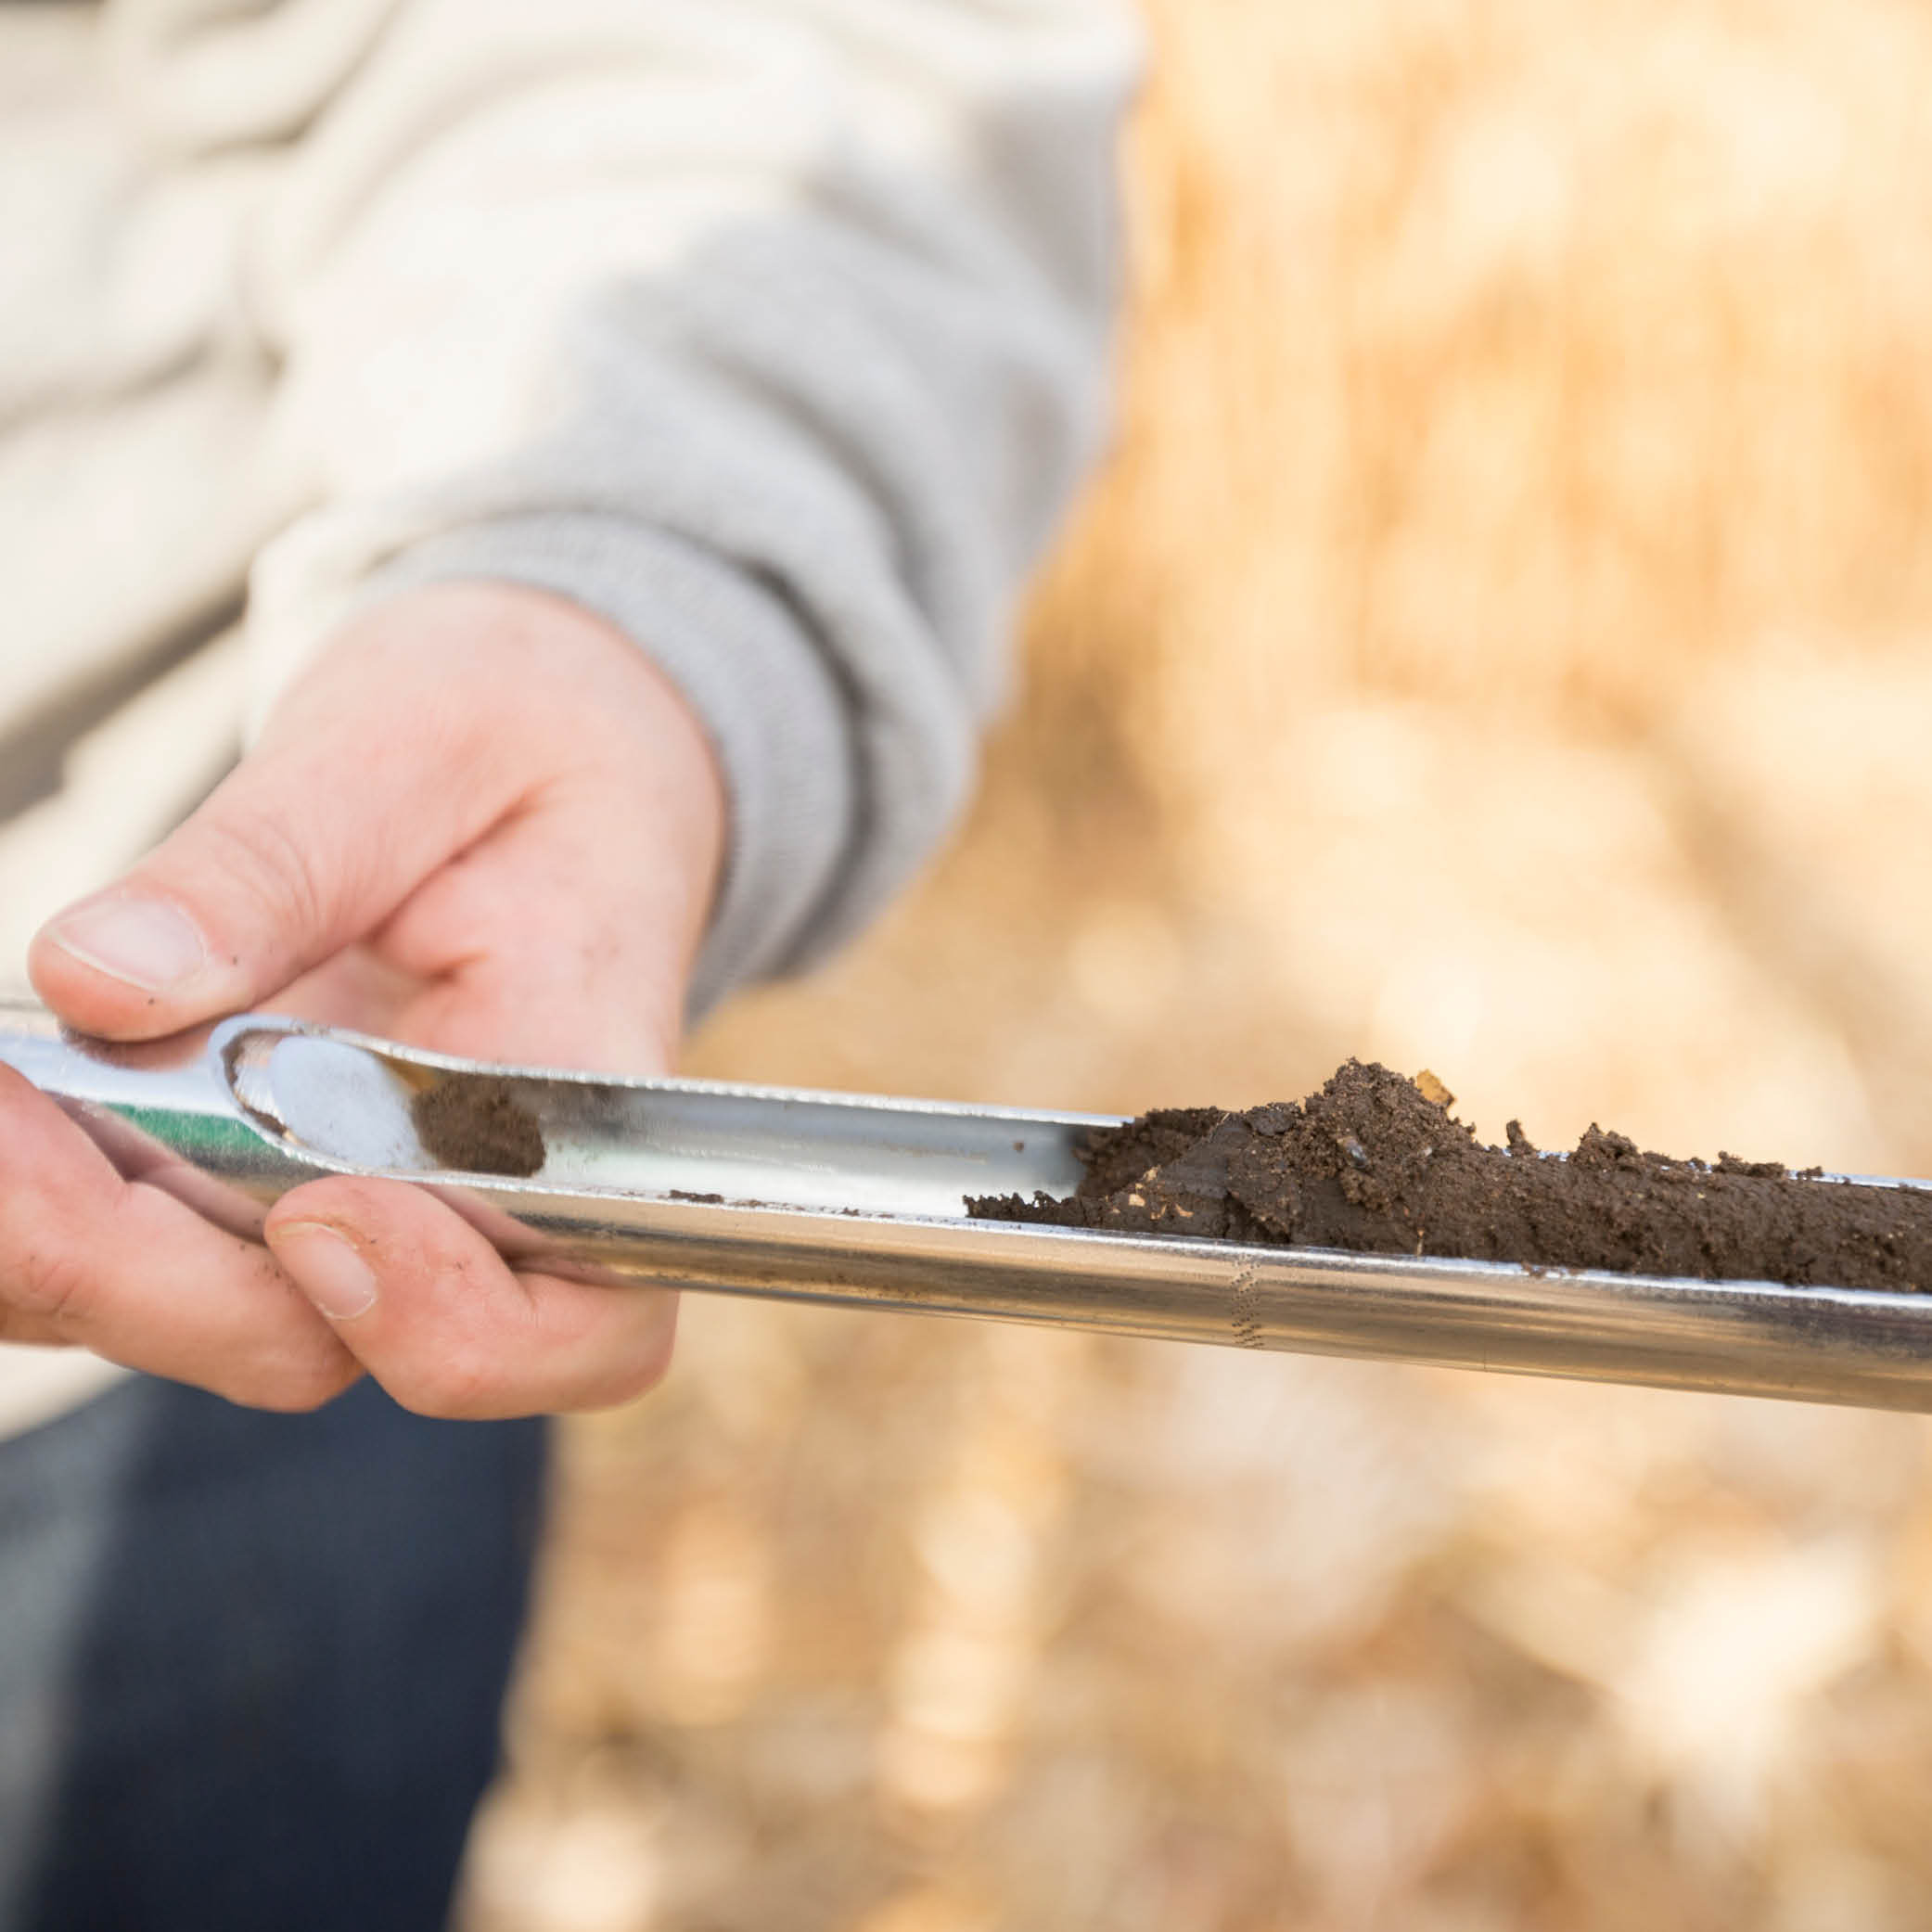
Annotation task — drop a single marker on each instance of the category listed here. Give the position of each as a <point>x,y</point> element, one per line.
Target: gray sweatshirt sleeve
<point>777,333</point>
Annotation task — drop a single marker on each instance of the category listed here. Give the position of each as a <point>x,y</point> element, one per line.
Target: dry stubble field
<point>1503,642</point>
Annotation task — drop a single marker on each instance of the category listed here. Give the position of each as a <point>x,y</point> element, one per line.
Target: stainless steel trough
<point>858,1201</point>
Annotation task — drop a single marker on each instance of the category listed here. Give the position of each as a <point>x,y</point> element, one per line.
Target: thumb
<point>310,844</point>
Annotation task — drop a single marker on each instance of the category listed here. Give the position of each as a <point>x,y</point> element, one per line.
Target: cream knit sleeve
<point>777,333</point>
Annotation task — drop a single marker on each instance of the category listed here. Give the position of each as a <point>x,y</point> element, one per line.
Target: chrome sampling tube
<point>797,1195</point>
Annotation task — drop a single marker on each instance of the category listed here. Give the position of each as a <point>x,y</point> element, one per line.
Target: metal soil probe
<point>828,1198</point>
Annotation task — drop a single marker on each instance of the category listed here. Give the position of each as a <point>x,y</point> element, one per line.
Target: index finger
<point>432,1311</point>
<point>121,1267</point>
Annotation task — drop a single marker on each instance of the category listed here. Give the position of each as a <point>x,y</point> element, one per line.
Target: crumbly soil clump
<point>1377,1164</point>
<point>473,1124</point>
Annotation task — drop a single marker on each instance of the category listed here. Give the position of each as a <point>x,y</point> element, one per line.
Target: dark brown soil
<point>1374,1164</point>
<point>474,1124</point>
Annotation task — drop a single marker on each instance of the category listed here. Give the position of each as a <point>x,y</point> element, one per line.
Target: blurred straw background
<point>1501,642</point>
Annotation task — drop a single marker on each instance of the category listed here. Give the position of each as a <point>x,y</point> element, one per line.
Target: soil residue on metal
<point>1377,1164</point>
<point>473,1124</point>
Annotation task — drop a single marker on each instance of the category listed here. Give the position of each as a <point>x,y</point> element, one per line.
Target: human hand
<point>481,823</point>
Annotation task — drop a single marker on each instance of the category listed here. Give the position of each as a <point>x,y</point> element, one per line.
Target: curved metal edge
<point>233,1037</point>
<point>162,1113</point>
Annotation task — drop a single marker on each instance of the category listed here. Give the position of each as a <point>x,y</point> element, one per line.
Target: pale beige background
<point>1503,643</point>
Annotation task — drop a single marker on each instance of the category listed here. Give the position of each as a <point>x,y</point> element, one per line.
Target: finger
<point>314,839</point>
<point>550,944</point>
<point>431,1310</point>
<point>127,1271</point>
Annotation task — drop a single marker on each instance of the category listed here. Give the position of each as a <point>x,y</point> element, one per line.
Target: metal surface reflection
<point>846,1199</point>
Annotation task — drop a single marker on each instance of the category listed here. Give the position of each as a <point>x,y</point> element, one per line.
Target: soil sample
<point>473,1124</point>
<point>1377,1164</point>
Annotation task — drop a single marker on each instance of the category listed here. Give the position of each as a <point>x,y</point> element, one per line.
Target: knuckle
<point>270,862</point>
<point>638,1369</point>
<point>17,1326</point>
<point>464,1385</point>
<point>303,1388</point>
<point>650,1370</point>
<point>614,1391</point>
<point>52,1284</point>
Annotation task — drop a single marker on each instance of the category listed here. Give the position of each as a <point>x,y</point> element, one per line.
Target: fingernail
<point>144,942</point>
<point>327,1269</point>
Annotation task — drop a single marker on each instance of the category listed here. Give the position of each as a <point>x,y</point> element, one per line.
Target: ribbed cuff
<point>747,666</point>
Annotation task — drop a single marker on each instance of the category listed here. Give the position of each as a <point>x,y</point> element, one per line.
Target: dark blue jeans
<point>251,1666</point>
